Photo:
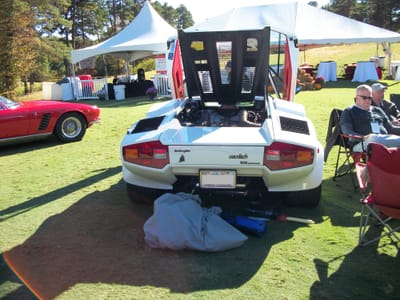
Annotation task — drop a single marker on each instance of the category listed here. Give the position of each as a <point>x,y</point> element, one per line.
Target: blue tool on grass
<point>247,224</point>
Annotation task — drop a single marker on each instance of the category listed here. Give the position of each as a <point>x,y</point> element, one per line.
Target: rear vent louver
<point>44,122</point>
<point>148,124</point>
<point>294,125</point>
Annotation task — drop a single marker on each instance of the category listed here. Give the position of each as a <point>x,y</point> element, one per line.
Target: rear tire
<point>309,198</point>
<point>71,127</point>
<point>142,195</point>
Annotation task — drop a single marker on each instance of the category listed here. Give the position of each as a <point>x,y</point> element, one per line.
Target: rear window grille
<point>294,125</point>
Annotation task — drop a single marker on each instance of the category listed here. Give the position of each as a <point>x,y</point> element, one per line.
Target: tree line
<point>38,35</point>
<point>380,13</point>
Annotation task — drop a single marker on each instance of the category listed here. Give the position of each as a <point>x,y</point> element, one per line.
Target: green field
<point>66,205</point>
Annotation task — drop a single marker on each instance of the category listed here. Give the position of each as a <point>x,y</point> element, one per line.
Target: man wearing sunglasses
<point>368,123</point>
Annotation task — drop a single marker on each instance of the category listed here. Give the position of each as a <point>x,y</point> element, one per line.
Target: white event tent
<point>149,32</point>
<point>304,25</point>
<point>146,35</point>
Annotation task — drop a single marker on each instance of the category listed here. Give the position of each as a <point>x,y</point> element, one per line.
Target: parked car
<point>33,119</point>
<point>228,135</point>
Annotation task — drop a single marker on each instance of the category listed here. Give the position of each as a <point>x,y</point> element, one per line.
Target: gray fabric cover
<point>179,222</point>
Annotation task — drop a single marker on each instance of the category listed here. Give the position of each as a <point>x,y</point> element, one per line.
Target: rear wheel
<point>143,195</point>
<point>71,127</point>
<point>309,198</point>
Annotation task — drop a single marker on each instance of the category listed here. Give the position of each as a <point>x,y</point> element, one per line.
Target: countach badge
<point>238,156</point>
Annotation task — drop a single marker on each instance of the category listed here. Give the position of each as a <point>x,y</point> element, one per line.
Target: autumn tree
<point>21,44</point>
<point>8,70</point>
<point>38,35</point>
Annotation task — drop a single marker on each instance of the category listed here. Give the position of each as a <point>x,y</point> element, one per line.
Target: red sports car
<point>30,119</point>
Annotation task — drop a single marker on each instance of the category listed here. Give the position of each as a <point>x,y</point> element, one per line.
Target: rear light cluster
<point>149,154</point>
<point>279,156</point>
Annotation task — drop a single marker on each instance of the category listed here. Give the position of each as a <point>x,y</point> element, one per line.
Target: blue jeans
<point>389,140</point>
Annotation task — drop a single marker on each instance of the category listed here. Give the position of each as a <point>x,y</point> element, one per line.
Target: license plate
<point>217,179</point>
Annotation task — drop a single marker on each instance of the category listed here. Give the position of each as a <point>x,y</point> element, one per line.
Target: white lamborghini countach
<point>228,134</point>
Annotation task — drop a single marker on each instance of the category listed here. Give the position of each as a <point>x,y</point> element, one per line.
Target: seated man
<point>378,94</point>
<point>367,122</point>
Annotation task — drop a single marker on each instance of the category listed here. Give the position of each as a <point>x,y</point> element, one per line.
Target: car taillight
<point>279,156</point>
<point>149,154</point>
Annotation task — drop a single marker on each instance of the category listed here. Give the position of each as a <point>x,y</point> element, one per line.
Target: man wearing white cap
<point>378,94</point>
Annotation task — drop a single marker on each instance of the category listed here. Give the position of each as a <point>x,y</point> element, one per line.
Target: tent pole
<point>73,81</point>
<point>127,67</point>
<point>105,65</point>
<point>389,54</point>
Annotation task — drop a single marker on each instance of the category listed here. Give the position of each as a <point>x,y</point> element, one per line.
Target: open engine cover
<point>228,67</point>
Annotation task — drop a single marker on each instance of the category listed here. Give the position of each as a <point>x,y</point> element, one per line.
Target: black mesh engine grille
<point>44,122</point>
<point>294,125</point>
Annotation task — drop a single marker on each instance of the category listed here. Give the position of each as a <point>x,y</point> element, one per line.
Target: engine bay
<point>194,113</point>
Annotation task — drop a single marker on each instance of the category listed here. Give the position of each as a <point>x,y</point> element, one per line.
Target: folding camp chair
<point>379,182</point>
<point>345,158</point>
<point>395,98</point>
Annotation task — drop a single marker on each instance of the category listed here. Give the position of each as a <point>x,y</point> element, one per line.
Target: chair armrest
<point>351,139</point>
<point>354,137</point>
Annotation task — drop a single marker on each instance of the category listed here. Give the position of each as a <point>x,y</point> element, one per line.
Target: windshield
<point>8,103</point>
<point>277,60</point>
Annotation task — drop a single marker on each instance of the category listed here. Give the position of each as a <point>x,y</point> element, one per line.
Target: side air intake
<point>44,122</point>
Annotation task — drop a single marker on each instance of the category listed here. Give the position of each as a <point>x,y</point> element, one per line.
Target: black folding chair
<point>395,98</point>
<point>345,158</point>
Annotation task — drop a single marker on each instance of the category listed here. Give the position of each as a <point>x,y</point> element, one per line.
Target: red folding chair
<point>379,182</point>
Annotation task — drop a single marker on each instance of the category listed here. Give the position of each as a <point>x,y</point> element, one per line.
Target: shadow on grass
<point>366,272</point>
<point>100,239</point>
<point>363,274</point>
<point>27,146</point>
<point>340,196</point>
<point>57,194</point>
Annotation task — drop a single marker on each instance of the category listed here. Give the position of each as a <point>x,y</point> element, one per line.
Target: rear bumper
<point>296,179</point>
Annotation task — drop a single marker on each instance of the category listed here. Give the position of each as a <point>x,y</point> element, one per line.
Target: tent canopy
<point>307,24</point>
<point>145,35</point>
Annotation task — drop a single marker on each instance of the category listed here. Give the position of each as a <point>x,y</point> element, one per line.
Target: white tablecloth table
<point>395,68</point>
<point>327,70</point>
<point>365,70</point>
<point>397,75</point>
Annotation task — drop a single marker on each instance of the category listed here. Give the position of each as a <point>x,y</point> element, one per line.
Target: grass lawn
<point>65,205</point>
